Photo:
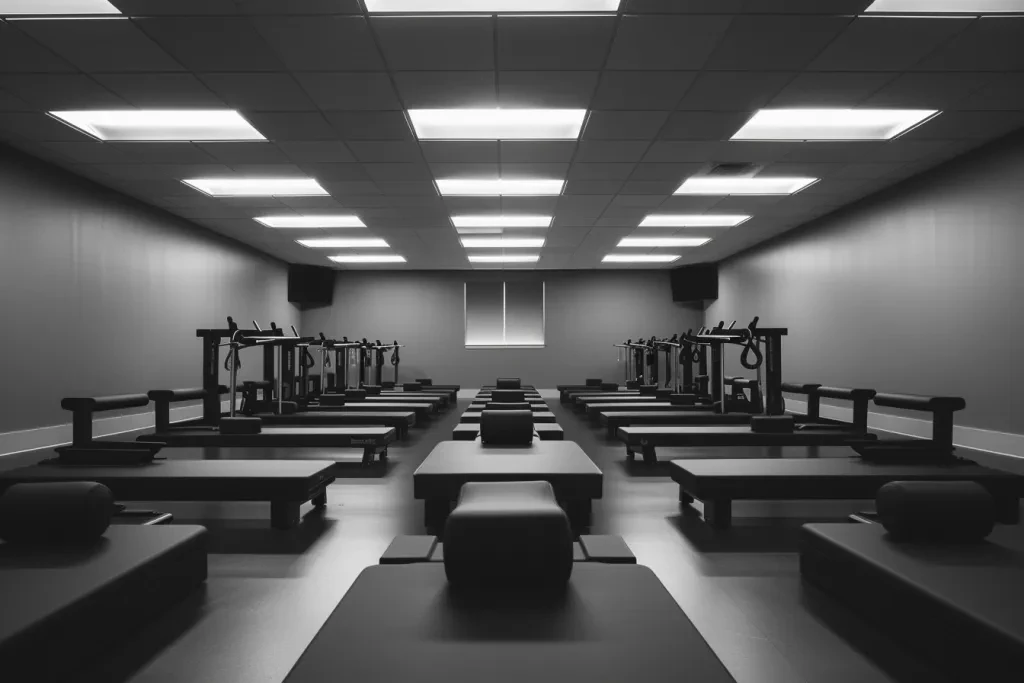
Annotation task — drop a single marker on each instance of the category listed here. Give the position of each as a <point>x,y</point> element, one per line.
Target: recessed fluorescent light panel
<point>497,124</point>
<point>11,8</point>
<point>513,258</point>
<point>640,258</point>
<point>502,242</point>
<point>663,241</point>
<point>134,125</point>
<point>257,187</point>
<point>479,231</point>
<point>311,221</point>
<point>948,6</point>
<point>692,221</point>
<point>502,221</point>
<point>361,258</point>
<point>832,124</point>
<point>456,187</point>
<point>343,243</point>
<point>484,6</point>
<point>709,185</point>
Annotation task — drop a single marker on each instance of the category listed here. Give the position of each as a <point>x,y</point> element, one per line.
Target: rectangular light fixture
<point>257,187</point>
<point>502,242</point>
<point>343,243</point>
<point>663,241</point>
<point>640,258</point>
<point>479,231</point>
<point>497,124</point>
<point>496,187</point>
<point>692,221</point>
<point>947,6</point>
<point>502,221</point>
<point>486,6</point>
<point>511,258</point>
<point>311,221</point>
<point>13,8</point>
<point>832,124</point>
<point>151,125</point>
<point>714,185</point>
<point>364,258</point>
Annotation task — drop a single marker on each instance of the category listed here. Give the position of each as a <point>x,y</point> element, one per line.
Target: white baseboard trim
<point>997,443</point>
<point>60,435</point>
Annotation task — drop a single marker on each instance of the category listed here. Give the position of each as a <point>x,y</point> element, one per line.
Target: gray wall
<point>917,290</point>
<point>587,312</point>
<point>101,294</point>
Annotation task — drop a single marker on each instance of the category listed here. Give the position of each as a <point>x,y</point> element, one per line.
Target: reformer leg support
<point>284,514</point>
<point>650,456</point>
<point>320,499</point>
<point>435,512</point>
<point>580,512</point>
<point>718,512</point>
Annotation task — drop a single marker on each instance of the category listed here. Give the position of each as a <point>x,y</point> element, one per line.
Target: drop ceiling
<point>666,84</point>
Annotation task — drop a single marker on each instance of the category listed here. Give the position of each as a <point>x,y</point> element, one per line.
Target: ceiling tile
<point>624,125</point>
<point>335,171</point>
<point>321,7</point>
<point>206,44</point>
<point>460,151</point>
<point>611,150</point>
<point>661,188</point>
<point>826,89</point>
<point>36,126</point>
<point>967,125</point>
<point>988,44</point>
<point>554,89</point>
<point>775,42</point>
<point>60,91</point>
<point>436,43</point>
<point>112,45</point>
<point>348,189</point>
<point>160,90</point>
<point>590,187</point>
<point>259,91</point>
<point>477,169</point>
<point>390,172</point>
<point>321,43</point>
<point>386,151</point>
<point>930,90</point>
<point>244,152</point>
<point>414,193</point>
<point>665,42</point>
<point>703,125</point>
<point>600,171</point>
<point>89,152</point>
<point>541,152</point>
<point>734,90</point>
<point>446,89</point>
<point>529,43</point>
<point>292,126</point>
<point>368,90</point>
<point>533,170</point>
<point>313,151</point>
<point>534,205</point>
<point>163,153</point>
<point>19,53</point>
<point>665,172</point>
<point>371,125</point>
<point>887,43</point>
<point>644,90</point>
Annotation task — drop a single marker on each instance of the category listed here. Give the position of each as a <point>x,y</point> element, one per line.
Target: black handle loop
<point>752,346</point>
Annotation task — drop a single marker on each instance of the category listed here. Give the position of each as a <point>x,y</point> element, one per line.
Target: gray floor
<point>269,592</point>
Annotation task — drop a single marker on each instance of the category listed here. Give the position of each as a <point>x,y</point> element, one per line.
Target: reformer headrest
<point>497,405</point>
<point>426,382</point>
<point>332,399</point>
<point>372,389</point>
<point>412,386</point>
<point>508,395</point>
<point>180,395</point>
<point>937,511</point>
<point>648,389</point>
<point>387,385</point>
<point>65,512</point>
<point>930,404</point>
<point>609,386</point>
<point>509,383</point>
<point>240,425</point>
<point>594,382</point>
<point>506,427</point>
<point>772,424</point>
<point>99,404</point>
<point>798,388</point>
<point>355,394</point>
<point>505,536</point>
<point>632,384</point>
<point>682,399</point>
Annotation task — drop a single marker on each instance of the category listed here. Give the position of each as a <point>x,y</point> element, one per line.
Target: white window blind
<point>504,314</point>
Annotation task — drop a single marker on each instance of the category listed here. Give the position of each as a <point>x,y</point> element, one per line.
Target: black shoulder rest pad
<point>594,382</point>
<point>98,404</point>
<point>743,382</point>
<point>923,403</point>
<point>412,386</point>
<point>425,382</point>
<point>509,383</point>
<point>845,394</point>
<point>178,395</point>
<point>796,388</point>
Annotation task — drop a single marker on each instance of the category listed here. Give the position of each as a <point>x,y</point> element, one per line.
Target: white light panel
<point>311,221</point>
<point>832,124</point>
<point>501,221</point>
<point>142,125</point>
<point>478,6</point>
<point>257,187</point>
<point>497,124</point>
<point>947,6</point>
<point>502,242</point>
<point>640,258</point>
<point>13,8</point>
<point>343,243</point>
<point>711,185</point>
<point>511,258</point>
<point>470,187</point>
<point>663,241</point>
<point>692,221</point>
<point>479,231</point>
<point>364,258</point>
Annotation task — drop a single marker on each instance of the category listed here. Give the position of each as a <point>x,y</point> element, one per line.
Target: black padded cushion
<point>179,395</point>
<point>632,384</point>
<point>100,403</point>
<point>682,399</point>
<point>922,403</point>
<point>240,425</point>
<point>772,424</point>
<point>798,388</point>
<point>609,386</point>
<point>505,536</point>
<point>412,386</point>
<point>943,511</point>
<point>594,382</point>
<point>355,394</point>
<point>65,512</point>
<point>844,394</point>
<point>284,407</point>
<point>506,427</point>
<point>508,396</point>
<point>509,383</point>
<point>425,382</point>
<point>387,385</point>
<point>332,399</point>
<point>372,389</point>
<point>495,405</point>
<point>648,389</point>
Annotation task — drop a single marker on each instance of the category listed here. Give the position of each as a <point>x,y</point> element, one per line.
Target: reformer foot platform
<point>73,588</point>
<point>507,589</point>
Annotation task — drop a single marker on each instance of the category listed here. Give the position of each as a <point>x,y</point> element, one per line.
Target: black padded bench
<point>416,549</point>
<point>545,431</point>
<point>624,418</point>
<point>473,417</point>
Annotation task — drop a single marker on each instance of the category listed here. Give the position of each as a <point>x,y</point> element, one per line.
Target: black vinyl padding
<point>97,404</point>
<point>356,394</point>
<point>508,383</point>
<point>743,382</point>
<point>63,610</point>
<point>772,424</point>
<point>506,427</point>
<point>333,400</point>
<point>425,382</point>
<point>682,399</point>
<point>508,536</point>
<point>493,405</point>
<point>937,511</point>
<point>412,386</point>
<point>609,386</point>
<point>594,382</point>
<point>55,513</point>
<point>240,425</point>
<point>845,394</point>
<point>921,403</point>
<point>372,389</point>
<point>956,605</point>
<point>797,388</point>
<point>180,395</point>
<point>508,396</point>
<point>648,389</point>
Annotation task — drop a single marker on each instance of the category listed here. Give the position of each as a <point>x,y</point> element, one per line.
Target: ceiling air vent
<point>734,170</point>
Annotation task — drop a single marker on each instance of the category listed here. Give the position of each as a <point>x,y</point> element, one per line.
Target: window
<point>504,314</point>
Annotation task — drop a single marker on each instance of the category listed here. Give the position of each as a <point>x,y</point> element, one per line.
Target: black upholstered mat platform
<point>647,439</point>
<point>422,410</point>
<point>470,417</point>
<point>400,421</point>
<point>960,605</point>
<point>63,606</point>
<point>617,623</point>
<point>545,431</point>
<point>337,437</point>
